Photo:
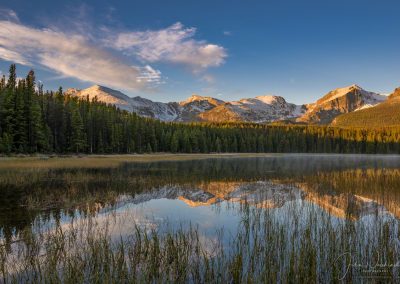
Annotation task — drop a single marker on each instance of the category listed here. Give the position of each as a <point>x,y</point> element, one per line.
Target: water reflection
<point>348,187</point>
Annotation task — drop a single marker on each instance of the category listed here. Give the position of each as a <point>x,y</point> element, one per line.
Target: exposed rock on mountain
<point>157,110</point>
<point>395,94</point>
<point>339,101</point>
<point>386,113</point>
<point>191,108</point>
<point>258,109</point>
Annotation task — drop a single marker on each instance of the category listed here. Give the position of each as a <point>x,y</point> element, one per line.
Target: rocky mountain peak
<point>395,94</point>
<point>355,87</point>
<point>339,101</point>
<point>197,98</point>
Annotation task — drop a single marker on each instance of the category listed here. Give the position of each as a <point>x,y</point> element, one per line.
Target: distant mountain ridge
<point>197,108</point>
<point>261,109</point>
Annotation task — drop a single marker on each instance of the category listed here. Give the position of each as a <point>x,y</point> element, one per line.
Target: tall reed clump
<point>299,244</point>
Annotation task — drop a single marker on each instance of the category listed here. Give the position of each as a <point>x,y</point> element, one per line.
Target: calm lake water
<point>305,197</point>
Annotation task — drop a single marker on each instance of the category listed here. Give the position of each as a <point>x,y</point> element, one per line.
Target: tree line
<point>34,121</point>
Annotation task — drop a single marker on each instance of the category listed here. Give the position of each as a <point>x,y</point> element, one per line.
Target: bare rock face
<point>395,94</point>
<point>259,109</point>
<point>340,101</point>
<point>383,114</point>
<point>221,113</point>
<point>192,108</point>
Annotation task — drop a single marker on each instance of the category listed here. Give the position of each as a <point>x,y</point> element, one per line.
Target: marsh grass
<point>107,161</point>
<point>305,245</point>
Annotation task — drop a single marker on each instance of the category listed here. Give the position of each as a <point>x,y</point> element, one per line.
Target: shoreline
<point>113,160</point>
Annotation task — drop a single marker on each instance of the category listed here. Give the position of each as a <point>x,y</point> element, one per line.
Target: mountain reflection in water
<point>348,187</point>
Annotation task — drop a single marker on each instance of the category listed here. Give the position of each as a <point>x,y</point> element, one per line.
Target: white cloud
<point>69,55</point>
<point>82,52</point>
<point>12,56</point>
<point>174,44</point>
<point>149,75</point>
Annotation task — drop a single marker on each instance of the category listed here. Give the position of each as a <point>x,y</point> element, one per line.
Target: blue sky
<point>167,50</point>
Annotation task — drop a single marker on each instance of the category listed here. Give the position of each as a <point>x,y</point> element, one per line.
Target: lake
<point>268,218</point>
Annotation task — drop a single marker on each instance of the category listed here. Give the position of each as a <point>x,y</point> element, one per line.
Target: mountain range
<point>331,108</point>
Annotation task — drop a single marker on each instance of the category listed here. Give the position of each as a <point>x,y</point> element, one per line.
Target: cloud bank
<point>106,60</point>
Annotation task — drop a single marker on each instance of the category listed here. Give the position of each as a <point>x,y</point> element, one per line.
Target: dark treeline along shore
<point>32,121</point>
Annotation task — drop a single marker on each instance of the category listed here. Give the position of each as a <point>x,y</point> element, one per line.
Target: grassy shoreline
<point>114,160</point>
<point>99,161</point>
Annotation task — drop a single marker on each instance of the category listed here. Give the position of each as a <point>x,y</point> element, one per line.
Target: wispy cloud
<point>174,44</point>
<point>12,56</point>
<point>208,78</point>
<point>103,57</point>
<point>69,55</point>
<point>8,15</point>
<point>150,75</point>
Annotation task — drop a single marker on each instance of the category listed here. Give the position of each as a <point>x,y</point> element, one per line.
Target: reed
<point>305,245</point>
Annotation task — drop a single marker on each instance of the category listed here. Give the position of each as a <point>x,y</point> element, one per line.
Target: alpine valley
<point>261,109</point>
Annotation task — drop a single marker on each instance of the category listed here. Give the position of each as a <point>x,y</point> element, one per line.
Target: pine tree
<point>20,119</point>
<point>8,110</point>
<point>78,139</point>
<point>34,119</point>
<point>174,143</point>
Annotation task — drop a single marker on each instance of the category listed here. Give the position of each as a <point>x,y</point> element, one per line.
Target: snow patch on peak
<point>364,107</point>
<point>268,99</point>
<point>195,97</point>
<point>198,98</point>
<point>103,94</point>
<point>97,89</point>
